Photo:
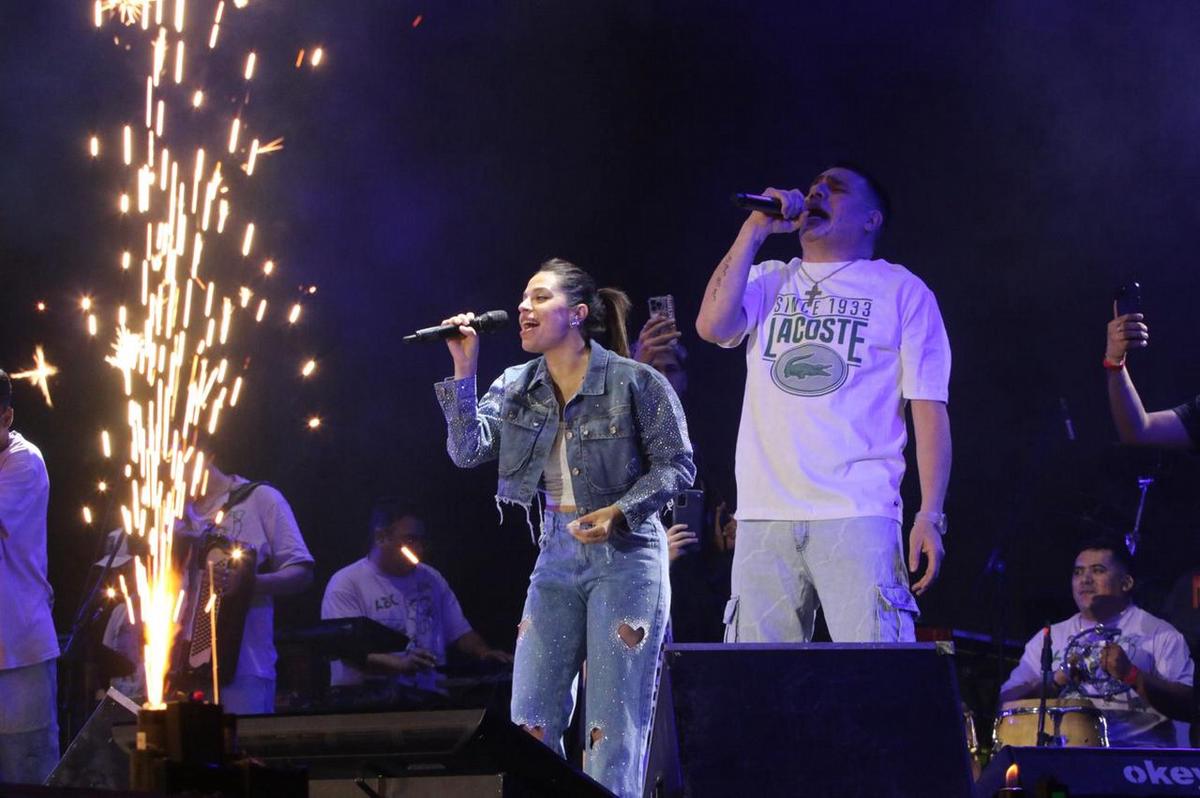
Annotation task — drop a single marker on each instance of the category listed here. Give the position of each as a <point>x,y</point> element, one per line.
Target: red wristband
<point>1131,677</point>
<point>1111,366</point>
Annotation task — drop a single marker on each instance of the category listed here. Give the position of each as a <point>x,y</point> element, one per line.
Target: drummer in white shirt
<point>1140,679</point>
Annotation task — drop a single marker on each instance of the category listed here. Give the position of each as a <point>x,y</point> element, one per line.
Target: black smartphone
<point>689,509</point>
<point>1129,298</point>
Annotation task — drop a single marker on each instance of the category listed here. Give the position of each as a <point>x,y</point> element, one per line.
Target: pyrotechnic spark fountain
<point>174,337</point>
<point>39,376</point>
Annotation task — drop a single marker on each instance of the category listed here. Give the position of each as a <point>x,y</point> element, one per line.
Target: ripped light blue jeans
<point>606,602</point>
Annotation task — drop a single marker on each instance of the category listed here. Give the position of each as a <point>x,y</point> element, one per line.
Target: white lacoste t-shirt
<point>822,432</point>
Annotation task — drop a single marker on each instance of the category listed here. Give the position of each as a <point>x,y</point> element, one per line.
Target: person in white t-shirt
<point>410,597</point>
<point>1135,668</point>
<point>28,644</point>
<point>264,522</point>
<point>254,517</point>
<point>839,344</point>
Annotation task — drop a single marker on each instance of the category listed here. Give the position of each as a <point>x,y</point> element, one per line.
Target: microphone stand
<point>1134,536</point>
<point>1043,739</point>
<point>85,615</point>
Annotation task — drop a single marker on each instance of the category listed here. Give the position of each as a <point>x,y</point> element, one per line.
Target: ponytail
<point>616,309</point>
<point>608,308</point>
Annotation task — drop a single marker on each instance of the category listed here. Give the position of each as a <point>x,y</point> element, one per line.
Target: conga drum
<point>1070,722</point>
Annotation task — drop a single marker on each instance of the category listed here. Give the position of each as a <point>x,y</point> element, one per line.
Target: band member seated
<point>253,524</point>
<point>1133,667</point>
<point>396,589</point>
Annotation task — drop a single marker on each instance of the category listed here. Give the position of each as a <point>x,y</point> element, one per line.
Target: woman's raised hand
<point>464,350</point>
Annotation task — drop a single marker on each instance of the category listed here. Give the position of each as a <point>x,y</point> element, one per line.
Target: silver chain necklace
<point>815,291</point>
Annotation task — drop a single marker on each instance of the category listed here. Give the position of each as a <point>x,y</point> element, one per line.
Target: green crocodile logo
<point>810,369</point>
<point>796,368</point>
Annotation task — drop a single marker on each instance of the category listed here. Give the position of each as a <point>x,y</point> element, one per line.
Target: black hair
<point>880,194</point>
<point>1109,542</point>
<point>387,511</point>
<point>5,390</point>
<point>608,308</point>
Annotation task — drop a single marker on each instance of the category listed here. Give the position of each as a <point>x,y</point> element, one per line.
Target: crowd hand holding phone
<point>598,525</point>
<point>1126,331</point>
<point>679,538</point>
<point>464,351</point>
<point>658,335</point>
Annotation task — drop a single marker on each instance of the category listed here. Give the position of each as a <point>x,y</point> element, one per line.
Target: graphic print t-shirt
<point>263,522</point>
<point>1152,644</point>
<point>420,604</point>
<point>822,433</point>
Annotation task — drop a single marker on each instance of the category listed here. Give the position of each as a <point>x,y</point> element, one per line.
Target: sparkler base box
<point>190,746</point>
<point>877,720</point>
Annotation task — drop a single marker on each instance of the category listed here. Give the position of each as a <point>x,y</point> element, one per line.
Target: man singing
<point>839,343</point>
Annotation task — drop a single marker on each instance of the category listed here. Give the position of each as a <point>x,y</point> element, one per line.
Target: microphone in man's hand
<point>771,206</point>
<point>484,322</point>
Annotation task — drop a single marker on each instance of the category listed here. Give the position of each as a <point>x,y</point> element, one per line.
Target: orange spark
<point>39,376</point>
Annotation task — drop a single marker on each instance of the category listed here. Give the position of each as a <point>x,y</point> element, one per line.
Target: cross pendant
<point>813,293</point>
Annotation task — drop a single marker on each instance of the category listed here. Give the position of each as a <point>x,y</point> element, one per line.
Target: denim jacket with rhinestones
<point>626,436</point>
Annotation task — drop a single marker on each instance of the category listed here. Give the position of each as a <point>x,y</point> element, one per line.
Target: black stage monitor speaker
<point>870,720</point>
<point>458,753</point>
<point>1083,772</point>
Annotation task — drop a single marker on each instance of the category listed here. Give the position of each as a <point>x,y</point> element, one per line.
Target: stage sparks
<point>180,325</point>
<point>39,376</point>
<point>128,11</point>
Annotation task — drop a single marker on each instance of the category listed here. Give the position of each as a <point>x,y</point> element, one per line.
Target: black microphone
<point>484,322</point>
<point>771,206</point>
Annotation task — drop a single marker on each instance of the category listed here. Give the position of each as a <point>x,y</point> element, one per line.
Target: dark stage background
<point>1038,154</point>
